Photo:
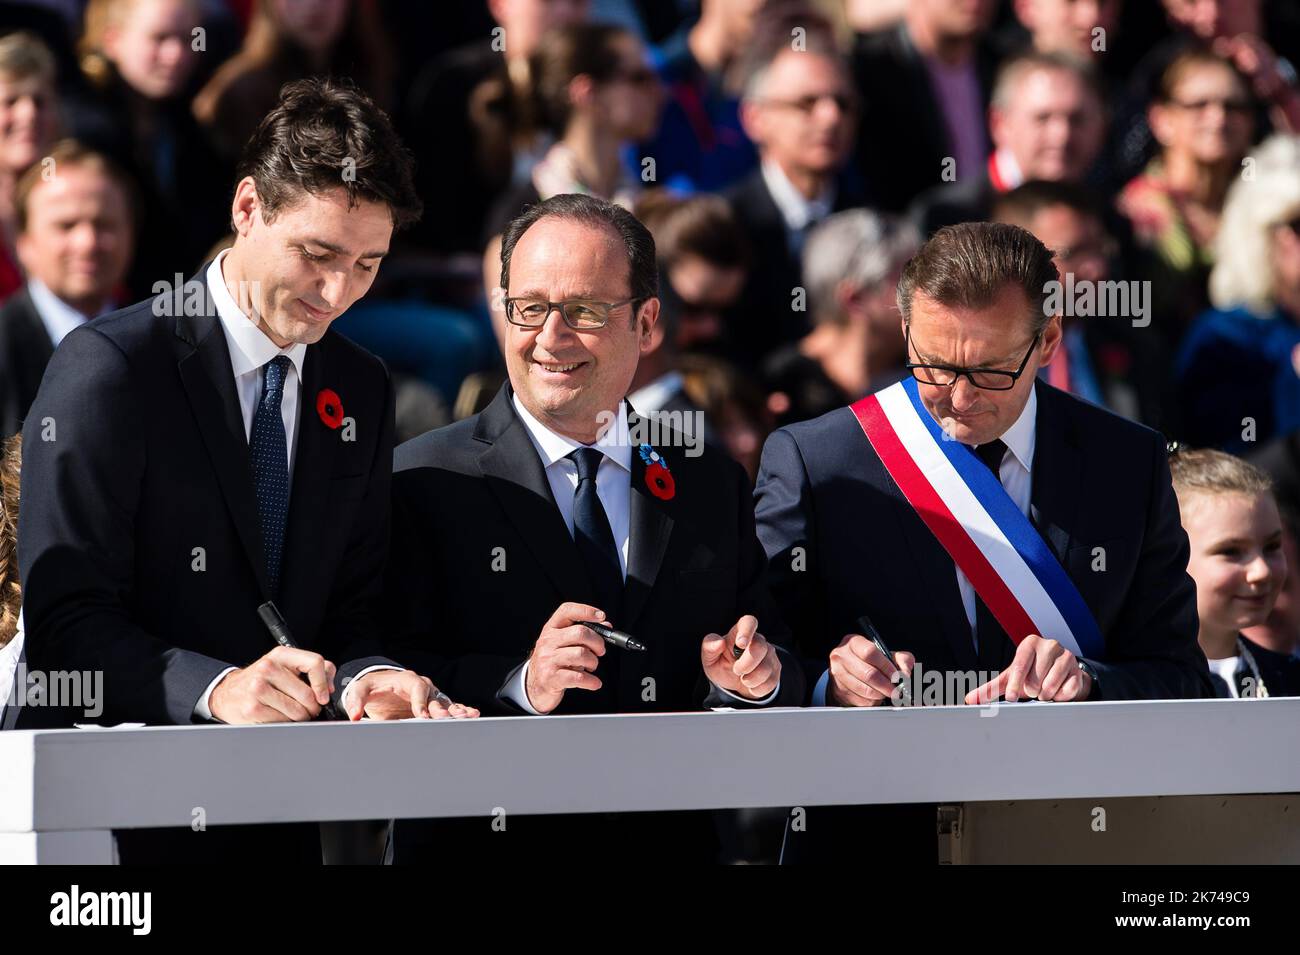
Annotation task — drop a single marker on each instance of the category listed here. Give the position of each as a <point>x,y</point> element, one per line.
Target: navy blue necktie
<point>268,448</point>
<point>592,534</point>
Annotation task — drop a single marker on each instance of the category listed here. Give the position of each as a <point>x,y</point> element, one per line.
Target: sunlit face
<point>1079,242</point>
<point>314,25</point>
<point>805,114</point>
<point>1066,26</point>
<point>629,103</point>
<point>1053,126</point>
<point>570,379</point>
<point>28,121</point>
<point>525,21</point>
<point>996,337</point>
<point>78,238</point>
<point>1236,559</point>
<point>310,263</point>
<point>151,47</point>
<point>1211,118</point>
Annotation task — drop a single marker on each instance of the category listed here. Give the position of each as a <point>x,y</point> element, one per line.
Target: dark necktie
<point>994,644</point>
<point>592,534</point>
<point>268,448</point>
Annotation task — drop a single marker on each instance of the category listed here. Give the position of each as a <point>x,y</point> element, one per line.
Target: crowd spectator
<point>76,232</point>
<point>29,122</point>
<point>1238,370</point>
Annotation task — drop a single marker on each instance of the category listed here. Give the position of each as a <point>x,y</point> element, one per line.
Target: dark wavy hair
<point>324,134</point>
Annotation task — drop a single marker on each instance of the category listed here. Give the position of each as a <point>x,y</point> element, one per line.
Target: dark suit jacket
<point>474,493</point>
<point>766,319</point>
<point>899,104</point>
<point>25,350</point>
<point>461,492</point>
<point>1098,481</point>
<point>148,461</point>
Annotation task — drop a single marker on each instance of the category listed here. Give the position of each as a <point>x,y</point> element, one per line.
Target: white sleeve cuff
<point>744,699</point>
<point>202,709</point>
<point>516,689</point>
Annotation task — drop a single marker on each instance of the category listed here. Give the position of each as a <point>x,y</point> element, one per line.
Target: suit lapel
<point>209,383</point>
<point>649,527</point>
<point>1058,473</point>
<point>313,469</point>
<point>514,472</point>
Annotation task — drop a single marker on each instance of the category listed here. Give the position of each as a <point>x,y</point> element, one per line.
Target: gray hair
<point>857,246</point>
<point>1016,69</point>
<point>1241,276</point>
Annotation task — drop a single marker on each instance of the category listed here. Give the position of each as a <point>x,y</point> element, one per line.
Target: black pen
<point>871,633</point>
<point>615,638</point>
<point>279,628</point>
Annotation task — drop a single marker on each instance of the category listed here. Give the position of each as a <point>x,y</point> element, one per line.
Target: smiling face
<point>1236,559</point>
<point>152,46</point>
<point>28,120</point>
<point>308,264</point>
<point>994,337</point>
<point>567,378</point>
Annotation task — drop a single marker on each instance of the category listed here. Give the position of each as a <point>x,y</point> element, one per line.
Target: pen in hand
<point>279,630</point>
<point>615,638</point>
<point>868,630</point>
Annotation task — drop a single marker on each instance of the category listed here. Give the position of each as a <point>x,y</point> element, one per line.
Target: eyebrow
<point>339,250</point>
<point>932,360</point>
<point>583,295</point>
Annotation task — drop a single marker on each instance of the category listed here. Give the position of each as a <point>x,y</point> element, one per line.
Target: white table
<point>61,792</point>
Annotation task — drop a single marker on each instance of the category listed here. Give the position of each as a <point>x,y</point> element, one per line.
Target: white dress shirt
<point>250,350</point>
<point>1015,474</point>
<point>57,316</point>
<point>613,487</point>
<point>798,212</point>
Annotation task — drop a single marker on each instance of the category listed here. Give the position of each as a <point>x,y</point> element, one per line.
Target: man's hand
<point>1042,670</point>
<point>863,676</point>
<point>565,656</point>
<point>271,691</point>
<point>399,695</point>
<point>753,676</point>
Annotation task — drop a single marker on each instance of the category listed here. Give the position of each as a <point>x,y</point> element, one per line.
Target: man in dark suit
<point>75,233</point>
<point>799,108</point>
<point>842,540</point>
<point>196,455</point>
<point>558,504</point>
<point>925,85</point>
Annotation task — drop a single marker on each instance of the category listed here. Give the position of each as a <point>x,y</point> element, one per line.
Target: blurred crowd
<point>788,156</point>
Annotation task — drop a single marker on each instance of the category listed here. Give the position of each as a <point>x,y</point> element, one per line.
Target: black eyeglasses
<point>579,314</point>
<point>987,378</point>
<point>846,103</point>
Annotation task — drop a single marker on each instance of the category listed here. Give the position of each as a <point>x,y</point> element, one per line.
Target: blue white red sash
<point>977,522</point>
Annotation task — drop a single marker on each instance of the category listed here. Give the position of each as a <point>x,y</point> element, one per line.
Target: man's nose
<point>334,289</point>
<point>963,394</point>
<point>554,332</point>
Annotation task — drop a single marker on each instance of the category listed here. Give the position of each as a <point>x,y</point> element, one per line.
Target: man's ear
<point>649,335</point>
<point>1052,337</point>
<point>751,121</point>
<point>245,206</point>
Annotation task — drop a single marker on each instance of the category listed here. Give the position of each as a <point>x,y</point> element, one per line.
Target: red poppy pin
<point>330,408</point>
<point>657,476</point>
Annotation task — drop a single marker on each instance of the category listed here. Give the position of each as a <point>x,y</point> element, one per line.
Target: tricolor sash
<point>966,507</point>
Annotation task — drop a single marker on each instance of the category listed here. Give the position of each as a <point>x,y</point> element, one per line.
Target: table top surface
<point>153,776</point>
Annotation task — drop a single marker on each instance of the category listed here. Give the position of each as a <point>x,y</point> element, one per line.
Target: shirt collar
<point>552,447</point>
<point>250,348</point>
<point>652,397</point>
<point>56,315</point>
<point>797,211</point>
<point>1020,437</point>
